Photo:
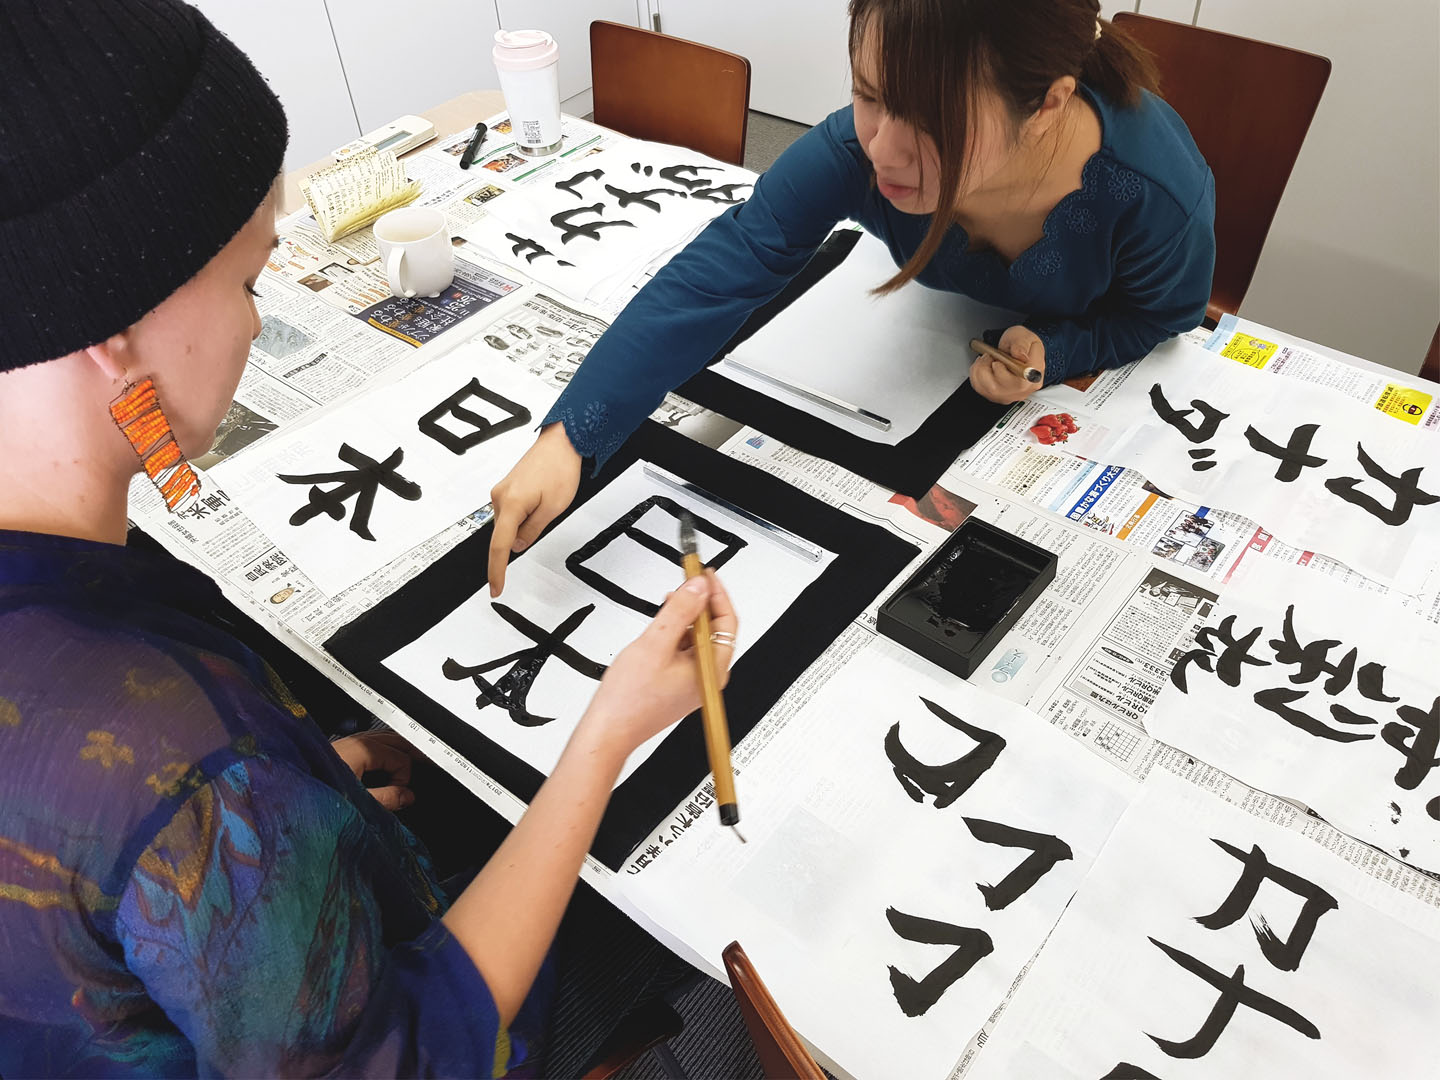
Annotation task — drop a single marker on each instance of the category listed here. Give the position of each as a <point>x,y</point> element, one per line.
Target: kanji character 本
<point>1405,488</point>
<point>1285,953</point>
<point>590,229</point>
<point>945,782</point>
<point>1233,993</point>
<point>1232,660</point>
<point>362,480</point>
<point>916,996</point>
<point>626,527</point>
<point>1045,852</point>
<point>482,430</point>
<point>1294,457</point>
<point>1199,431</point>
<point>1418,738</point>
<point>724,193</point>
<point>536,250</point>
<point>644,198</point>
<point>513,689</point>
<point>672,174</point>
<point>578,179</point>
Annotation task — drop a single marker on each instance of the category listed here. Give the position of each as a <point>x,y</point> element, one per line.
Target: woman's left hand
<point>995,381</point>
<point>380,751</point>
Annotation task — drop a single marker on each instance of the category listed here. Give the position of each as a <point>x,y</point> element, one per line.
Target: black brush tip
<point>687,534</point>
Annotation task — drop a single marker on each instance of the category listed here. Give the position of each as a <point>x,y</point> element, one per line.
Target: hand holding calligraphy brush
<point>1014,366</point>
<point>712,705</point>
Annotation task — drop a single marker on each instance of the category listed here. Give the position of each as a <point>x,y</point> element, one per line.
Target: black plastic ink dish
<point>958,606</point>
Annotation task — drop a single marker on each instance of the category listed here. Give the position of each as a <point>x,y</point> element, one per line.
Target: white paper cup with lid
<point>528,62</point>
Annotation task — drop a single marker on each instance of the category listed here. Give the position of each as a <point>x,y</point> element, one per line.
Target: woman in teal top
<point>1010,150</point>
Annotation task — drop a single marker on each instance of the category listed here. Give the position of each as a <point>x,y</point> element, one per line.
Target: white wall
<point>404,58</point>
<point>798,49</point>
<point>568,22</point>
<point>1353,258</point>
<point>345,67</point>
<point>290,42</point>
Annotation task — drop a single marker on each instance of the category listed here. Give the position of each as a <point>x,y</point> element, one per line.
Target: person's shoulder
<point>821,178</point>
<point>1150,141</point>
<point>121,718</point>
<point>839,129</point>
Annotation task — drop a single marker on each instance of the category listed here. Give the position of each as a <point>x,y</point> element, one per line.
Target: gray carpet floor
<point>714,1044</point>
<point>766,138</point>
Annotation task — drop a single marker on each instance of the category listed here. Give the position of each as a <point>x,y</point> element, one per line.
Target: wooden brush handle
<point>712,708</point>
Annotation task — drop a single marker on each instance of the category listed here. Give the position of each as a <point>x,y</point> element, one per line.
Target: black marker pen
<point>472,148</point>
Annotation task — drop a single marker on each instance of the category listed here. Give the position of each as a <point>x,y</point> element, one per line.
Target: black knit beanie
<point>135,142</point>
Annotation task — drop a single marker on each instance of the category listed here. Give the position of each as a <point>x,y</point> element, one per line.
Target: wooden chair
<point>1249,125</point>
<point>654,86</point>
<point>1430,367</point>
<point>782,1054</point>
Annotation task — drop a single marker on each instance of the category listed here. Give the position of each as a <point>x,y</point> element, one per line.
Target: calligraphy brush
<point>1016,367</point>
<point>712,705</point>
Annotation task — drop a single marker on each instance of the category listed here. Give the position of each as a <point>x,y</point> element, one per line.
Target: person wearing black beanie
<point>193,880</point>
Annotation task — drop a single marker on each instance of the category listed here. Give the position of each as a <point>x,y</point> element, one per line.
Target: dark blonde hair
<point>936,56</point>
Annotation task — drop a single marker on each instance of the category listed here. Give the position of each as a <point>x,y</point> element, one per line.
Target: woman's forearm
<point>508,916</point>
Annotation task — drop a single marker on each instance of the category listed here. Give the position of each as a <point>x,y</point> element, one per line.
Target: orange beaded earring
<point>138,414</point>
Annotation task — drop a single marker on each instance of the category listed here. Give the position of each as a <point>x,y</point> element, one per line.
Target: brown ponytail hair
<point>935,56</point>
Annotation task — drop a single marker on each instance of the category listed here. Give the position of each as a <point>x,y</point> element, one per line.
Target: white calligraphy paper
<point>859,903</point>
<point>1317,692</point>
<point>899,356</point>
<point>1312,466</point>
<point>599,583</point>
<point>390,469</point>
<point>1338,968</point>
<point>594,225</point>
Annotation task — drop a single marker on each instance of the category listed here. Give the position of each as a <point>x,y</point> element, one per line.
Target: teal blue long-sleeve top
<point>1125,262</point>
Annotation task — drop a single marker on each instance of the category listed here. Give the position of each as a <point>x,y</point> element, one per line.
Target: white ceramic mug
<point>528,63</point>
<point>415,250</point>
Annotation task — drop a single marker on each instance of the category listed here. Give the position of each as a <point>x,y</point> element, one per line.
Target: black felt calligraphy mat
<point>911,466</point>
<point>867,559</point>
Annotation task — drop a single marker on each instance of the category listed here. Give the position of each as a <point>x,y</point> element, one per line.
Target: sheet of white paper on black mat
<point>593,563</point>
<point>899,355</point>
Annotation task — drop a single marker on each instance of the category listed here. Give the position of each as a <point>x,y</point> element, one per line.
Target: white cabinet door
<point>1353,258</point>
<point>798,49</point>
<point>290,42</point>
<point>568,22</point>
<point>405,58</point>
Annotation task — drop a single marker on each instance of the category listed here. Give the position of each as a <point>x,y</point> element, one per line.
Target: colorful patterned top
<point>191,881</point>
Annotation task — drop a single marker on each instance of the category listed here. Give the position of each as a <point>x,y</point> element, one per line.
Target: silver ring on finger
<point>722,637</point>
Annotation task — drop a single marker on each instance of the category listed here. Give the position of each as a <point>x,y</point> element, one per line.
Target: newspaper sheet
<point>850,867</point>
<point>1333,974</point>
<point>1357,744</point>
<point>1137,567</point>
<point>501,162</point>
<point>1407,398</point>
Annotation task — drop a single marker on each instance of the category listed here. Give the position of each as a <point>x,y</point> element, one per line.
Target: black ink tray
<point>955,609</point>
